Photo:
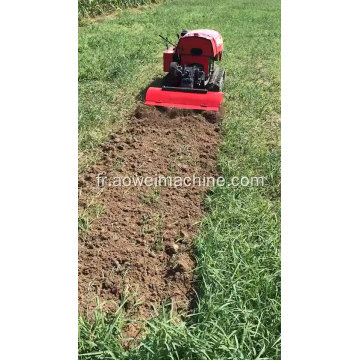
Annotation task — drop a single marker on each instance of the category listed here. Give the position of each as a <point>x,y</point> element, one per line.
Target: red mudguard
<point>210,101</point>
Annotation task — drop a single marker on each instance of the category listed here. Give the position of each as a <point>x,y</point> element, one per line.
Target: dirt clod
<point>171,248</point>
<point>184,234</point>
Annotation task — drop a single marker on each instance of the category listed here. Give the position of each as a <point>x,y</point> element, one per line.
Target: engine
<point>188,76</point>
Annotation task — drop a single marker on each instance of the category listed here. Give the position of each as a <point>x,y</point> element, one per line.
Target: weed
<point>145,224</point>
<point>158,235</point>
<point>99,338</point>
<point>87,216</point>
<point>118,163</point>
<point>150,197</point>
<point>83,223</point>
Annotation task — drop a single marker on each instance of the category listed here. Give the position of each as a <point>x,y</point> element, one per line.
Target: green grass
<point>238,246</point>
<point>91,8</point>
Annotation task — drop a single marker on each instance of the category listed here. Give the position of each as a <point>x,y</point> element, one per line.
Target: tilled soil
<point>136,242</point>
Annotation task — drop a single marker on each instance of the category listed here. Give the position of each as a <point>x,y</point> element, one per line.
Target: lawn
<point>238,246</point>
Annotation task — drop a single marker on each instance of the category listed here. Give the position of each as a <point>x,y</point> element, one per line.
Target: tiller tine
<point>199,100</point>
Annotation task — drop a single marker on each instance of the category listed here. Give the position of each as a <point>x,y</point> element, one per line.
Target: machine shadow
<point>157,82</point>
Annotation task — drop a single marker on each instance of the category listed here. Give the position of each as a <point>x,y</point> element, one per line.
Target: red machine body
<point>209,41</point>
<point>193,81</point>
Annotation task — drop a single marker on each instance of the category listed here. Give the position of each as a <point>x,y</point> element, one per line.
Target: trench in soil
<point>137,242</point>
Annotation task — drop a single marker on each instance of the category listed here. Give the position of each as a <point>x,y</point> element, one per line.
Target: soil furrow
<point>136,242</point>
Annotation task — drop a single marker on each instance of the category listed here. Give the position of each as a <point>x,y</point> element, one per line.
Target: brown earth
<point>136,242</point>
